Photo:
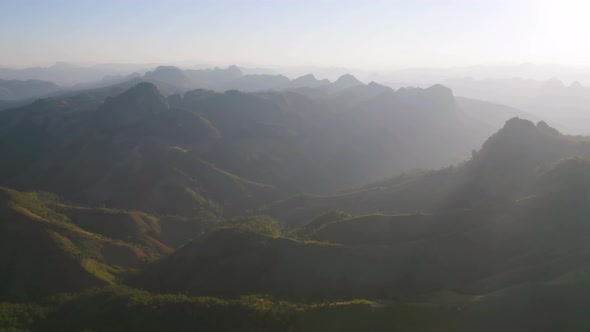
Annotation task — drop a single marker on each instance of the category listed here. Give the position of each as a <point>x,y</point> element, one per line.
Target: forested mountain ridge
<point>18,90</point>
<point>565,106</point>
<point>133,145</point>
<point>162,193</point>
<point>498,172</point>
<point>43,253</point>
<point>482,238</point>
<point>280,143</point>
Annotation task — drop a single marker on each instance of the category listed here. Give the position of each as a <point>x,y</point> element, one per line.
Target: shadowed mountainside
<point>207,152</point>
<point>491,232</point>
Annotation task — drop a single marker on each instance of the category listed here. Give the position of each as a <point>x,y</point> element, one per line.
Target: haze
<point>355,34</point>
<point>294,166</point>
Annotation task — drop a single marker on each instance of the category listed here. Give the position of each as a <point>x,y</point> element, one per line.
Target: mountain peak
<point>554,84</point>
<point>374,84</point>
<point>144,97</point>
<point>308,80</point>
<point>234,68</point>
<point>308,77</point>
<point>576,85</point>
<point>518,124</point>
<point>440,94</point>
<point>346,81</point>
<point>440,90</point>
<point>544,127</point>
<point>232,71</point>
<point>142,88</point>
<point>520,140</point>
<point>167,68</point>
<point>169,74</point>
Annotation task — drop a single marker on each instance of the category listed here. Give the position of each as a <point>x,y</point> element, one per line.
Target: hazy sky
<point>362,34</point>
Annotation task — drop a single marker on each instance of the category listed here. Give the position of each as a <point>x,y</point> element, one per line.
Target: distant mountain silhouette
<point>135,136</point>
<point>18,90</point>
<point>232,78</point>
<point>347,81</point>
<point>198,148</point>
<point>501,171</point>
<point>170,75</point>
<point>215,78</point>
<point>566,106</point>
<point>307,81</point>
<point>65,74</point>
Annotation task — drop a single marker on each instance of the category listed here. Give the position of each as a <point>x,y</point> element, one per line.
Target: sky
<point>360,34</point>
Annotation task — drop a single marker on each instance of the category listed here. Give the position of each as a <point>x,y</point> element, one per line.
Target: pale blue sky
<point>361,34</point>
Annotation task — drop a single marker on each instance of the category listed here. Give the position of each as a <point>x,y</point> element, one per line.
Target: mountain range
<point>550,100</point>
<point>231,149</point>
<point>318,206</point>
<point>11,90</point>
<point>564,105</point>
<point>476,237</point>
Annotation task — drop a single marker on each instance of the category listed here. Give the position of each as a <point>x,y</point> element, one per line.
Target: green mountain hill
<point>18,90</point>
<point>501,171</point>
<point>60,247</point>
<point>212,153</point>
<point>42,252</point>
<point>473,243</point>
<point>161,194</point>
<point>133,152</point>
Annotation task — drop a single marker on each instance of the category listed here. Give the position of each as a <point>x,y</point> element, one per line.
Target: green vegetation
<point>263,225</point>
<point>116,308</point>
<point>124,309</point>
<point>18,90</point>
<point>17,317</point>
<point>42,247</point>
<point>192,195</point>
<point>225,153</point>
<point>307,230</point>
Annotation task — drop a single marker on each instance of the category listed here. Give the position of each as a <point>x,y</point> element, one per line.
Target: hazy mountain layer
<point>209,153</point>
<point>565,106</point>
<point>490,241</point>
<point>150,183</point>
<point>11,90</point>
